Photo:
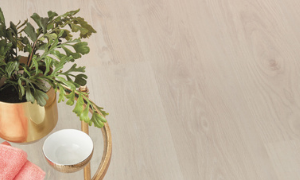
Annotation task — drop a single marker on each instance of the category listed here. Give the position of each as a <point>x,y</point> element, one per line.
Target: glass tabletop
<point>66,120</point>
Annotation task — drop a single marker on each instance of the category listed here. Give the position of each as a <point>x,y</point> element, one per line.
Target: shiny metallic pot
<point>25,122</point>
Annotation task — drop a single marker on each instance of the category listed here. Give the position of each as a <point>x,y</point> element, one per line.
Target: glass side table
<point>100,162</point>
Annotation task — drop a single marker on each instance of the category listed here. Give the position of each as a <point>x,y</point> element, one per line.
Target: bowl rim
<point>59,164</point>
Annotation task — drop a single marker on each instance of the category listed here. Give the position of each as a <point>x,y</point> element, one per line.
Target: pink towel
<point>6,143</point>
<point>11,161</point>
<point>28,171</point>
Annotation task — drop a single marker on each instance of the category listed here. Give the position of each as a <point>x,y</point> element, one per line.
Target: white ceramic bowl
<point>68,150</point>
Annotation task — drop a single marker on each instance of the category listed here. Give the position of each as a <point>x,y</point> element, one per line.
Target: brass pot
<point>25,122</point>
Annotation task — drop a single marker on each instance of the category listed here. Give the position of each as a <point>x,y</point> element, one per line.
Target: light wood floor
<point>196,89</point>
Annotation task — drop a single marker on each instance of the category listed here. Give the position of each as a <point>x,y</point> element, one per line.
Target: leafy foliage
<point>50,46</point>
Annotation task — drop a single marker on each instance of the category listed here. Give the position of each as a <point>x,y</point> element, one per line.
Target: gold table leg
<point>85,128</point>
<point>107,151</point>
<point>87,168</point>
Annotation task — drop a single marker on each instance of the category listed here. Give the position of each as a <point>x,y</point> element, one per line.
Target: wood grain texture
<point>285,158</point>
<point>196,89</point>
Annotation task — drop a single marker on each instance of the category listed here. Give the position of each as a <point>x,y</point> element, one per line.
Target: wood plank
<point>285,158</point>
<point>142,143</point>
<point>195,89</point>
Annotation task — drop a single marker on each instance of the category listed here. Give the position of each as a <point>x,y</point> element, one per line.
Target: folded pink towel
<point>30,171</point>
<point>11,161</point>
<point>6,143</point>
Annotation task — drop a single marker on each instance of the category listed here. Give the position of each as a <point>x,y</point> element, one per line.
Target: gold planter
<point>25,122</point>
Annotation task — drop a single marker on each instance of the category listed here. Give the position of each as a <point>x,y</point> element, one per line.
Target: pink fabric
<point>11,161</point>
<point>6,143</point>
<point>30,171</point>
<point>15,166</point>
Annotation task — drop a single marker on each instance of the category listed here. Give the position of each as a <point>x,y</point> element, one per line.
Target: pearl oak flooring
<point>196,89</point>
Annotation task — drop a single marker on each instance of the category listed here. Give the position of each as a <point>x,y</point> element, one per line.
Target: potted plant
<point>32,59</point>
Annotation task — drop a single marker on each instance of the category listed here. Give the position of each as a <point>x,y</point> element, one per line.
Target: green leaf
<point>2,43</point>
<point>2,19</point>
<point>37,19</point>
<point>88,29</point>
<point>25,40</point>
<point>50,26</point>
<point>41,22</point>
<point>102,118</point>
<point>70,53</point>
<point>40,97</point>
<point>84,116</point>
<point>23,24</point>
<point>75,69</point>
<point>34,63</point>
<point>102,111</point>
<point>41,85</point>
<point>67,35</point>
<point>76,28</point>
<point>81,47</point>
<point>29,96</point>
<point>62,92</point>
<point>44,24</point>
<point>2,30</point>
<point>19,23</point>
<point>79,106</point>
<point>4,47</point>
<point>30,31</point>
<point>51,36</point>
<point>61,32</point>
<point>52,14</point>
<point>13,27</point>
<point>26,71</point>
<point>63,60</point>
<point>58,68</point>
<point>48,62</point>
<point>2,63</point>
<point>71,98</point>
<point>65,82</point>
<point>21,88</point>
<point>97,120</point>
<point>11,67</point>
<point>71,13</point>
<point>57,20</point>
<point>20,45</point>
<point>60,56</point>
<point>81,79</point>
<point>10,33</point>
<point>27,48</point>
<point>42,47</point>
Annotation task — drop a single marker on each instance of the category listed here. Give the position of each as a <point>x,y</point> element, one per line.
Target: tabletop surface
<point>196,89</point>
<point>35,153</point>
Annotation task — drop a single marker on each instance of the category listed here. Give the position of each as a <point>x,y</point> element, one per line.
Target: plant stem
<point>31,54</point>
